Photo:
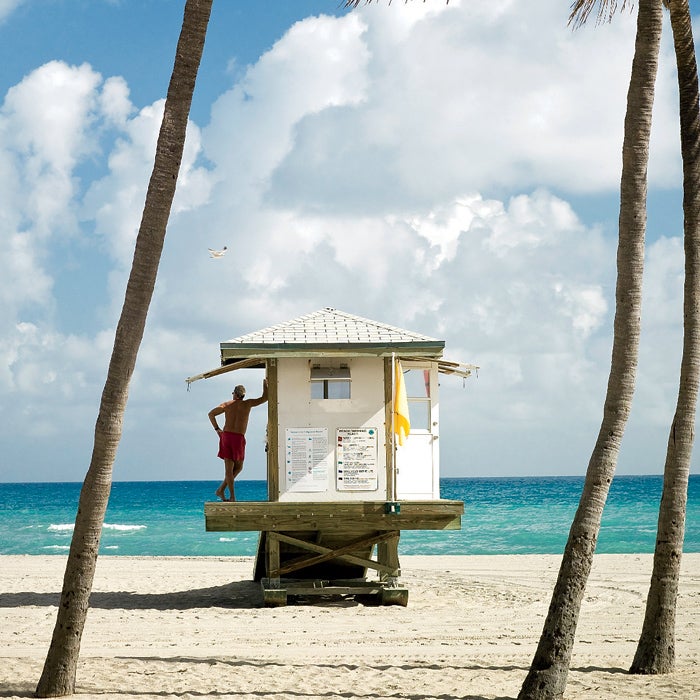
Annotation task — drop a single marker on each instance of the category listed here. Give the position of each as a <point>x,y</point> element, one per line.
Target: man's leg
<point>221,491</point>
<point>237,468</point>
<point>228,480</point>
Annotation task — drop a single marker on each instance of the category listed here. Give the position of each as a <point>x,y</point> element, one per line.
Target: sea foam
<point>123,528</point>
<point>64,527</point>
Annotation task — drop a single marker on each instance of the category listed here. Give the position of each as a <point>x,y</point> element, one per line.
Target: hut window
<point>330,383</point>
<point>418,393</point>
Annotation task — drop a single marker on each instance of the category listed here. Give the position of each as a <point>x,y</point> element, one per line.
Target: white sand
<point>194,627</point>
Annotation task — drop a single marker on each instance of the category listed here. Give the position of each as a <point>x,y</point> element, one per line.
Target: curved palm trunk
<point>58,676</point>
<point>656,648</point>
<point>550,666</point>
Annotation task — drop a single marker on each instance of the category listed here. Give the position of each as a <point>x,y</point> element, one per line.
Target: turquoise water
<point>502,516</point>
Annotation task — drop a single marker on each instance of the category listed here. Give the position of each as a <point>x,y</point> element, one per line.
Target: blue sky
<point>450,169</point>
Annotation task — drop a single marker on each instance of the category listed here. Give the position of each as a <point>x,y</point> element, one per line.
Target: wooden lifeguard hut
<point>341,487</point>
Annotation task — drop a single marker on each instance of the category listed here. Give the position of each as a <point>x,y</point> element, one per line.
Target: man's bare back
<point>236,412</point>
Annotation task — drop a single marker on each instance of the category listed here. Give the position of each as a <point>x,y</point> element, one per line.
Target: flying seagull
<point>218,253</point>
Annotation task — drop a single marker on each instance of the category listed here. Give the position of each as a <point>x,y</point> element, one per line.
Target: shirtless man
<point>232,437</point>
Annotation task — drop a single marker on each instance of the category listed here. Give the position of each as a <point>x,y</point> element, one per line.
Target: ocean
<point>529,515</point>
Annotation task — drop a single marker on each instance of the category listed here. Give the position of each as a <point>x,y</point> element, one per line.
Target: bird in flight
<point>218,253</point>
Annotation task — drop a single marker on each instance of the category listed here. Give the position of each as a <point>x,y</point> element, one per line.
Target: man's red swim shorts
<point>231,446</point>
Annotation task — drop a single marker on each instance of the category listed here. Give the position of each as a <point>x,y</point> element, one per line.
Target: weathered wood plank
<point>274,597</point>
<point>336,507</point>
<point>231,524</point>
<point>322,587</point>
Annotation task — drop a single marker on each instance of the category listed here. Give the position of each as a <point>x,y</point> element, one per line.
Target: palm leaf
<point>581,9</point>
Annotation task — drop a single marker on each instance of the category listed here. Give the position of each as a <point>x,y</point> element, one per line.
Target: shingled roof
<point>329,332</point>
<point>330,327</point>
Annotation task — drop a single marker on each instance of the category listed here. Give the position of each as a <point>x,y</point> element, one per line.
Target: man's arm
<point>260,399</point>
<point>214,413</point>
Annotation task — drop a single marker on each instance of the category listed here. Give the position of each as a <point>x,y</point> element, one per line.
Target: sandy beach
<point>195,627</point>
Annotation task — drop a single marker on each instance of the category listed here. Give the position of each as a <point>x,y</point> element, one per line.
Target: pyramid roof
<point>330,331</point>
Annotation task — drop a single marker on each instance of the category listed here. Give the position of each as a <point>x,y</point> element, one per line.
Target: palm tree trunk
<point>656,648</point>
<point>59,673</point>
<point>550,666</point>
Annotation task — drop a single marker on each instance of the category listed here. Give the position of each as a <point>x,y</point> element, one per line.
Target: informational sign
<point>356,459</point>
<point>307,459</point>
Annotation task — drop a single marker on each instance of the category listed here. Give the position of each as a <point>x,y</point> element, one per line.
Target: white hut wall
<point>331,435</point>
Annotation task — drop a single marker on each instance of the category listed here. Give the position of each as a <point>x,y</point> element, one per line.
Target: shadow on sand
<point>239,594</point>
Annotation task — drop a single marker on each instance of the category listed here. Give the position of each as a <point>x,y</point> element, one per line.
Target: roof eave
<point>230,351</point>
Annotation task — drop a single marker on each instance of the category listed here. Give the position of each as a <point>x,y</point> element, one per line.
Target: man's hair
<point>239,391</point>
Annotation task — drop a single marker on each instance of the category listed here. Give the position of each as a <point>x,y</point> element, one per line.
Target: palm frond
<point>581,9</point>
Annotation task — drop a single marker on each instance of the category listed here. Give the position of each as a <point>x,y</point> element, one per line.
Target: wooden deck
<point>323,548</point>
<point>264,516</point>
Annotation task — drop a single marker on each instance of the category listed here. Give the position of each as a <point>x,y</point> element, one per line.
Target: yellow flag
<point>402,422</point>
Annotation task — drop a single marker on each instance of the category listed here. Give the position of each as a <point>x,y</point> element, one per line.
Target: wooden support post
<point>388,428</point>
<point>273,482</point>
<point>272,546</point>
<point>274,597</point>
<point>394,596</point>
<point>388,555</point>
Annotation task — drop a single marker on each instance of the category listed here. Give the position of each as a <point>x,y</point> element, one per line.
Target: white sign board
<point>307,459</point>
<point>356,459</point>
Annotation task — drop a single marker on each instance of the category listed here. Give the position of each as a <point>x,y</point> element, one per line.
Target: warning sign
<point>307,459</point>
<point>356,459</point>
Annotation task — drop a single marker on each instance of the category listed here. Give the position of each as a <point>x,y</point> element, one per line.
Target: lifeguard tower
<point>341,486</point>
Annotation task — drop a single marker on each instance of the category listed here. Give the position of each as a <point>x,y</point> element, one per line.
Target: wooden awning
<point>242,364</point>
<point>444,366</point>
